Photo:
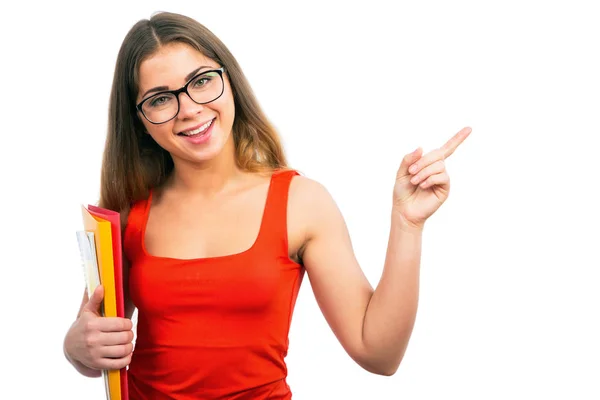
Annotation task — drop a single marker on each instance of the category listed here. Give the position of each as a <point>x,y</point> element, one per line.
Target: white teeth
<point>197,131</point>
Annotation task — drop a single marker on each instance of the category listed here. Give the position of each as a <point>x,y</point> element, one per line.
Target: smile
<point>198,131</point>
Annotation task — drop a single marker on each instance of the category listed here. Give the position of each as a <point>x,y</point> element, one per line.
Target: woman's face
<point>199,131</point>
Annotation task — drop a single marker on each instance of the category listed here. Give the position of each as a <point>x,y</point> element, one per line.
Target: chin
<point>210,150</point>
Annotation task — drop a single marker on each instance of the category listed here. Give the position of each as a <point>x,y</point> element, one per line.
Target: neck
<point>206,178</point>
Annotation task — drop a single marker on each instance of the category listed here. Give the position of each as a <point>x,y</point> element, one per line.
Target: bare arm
<point>373,326</point>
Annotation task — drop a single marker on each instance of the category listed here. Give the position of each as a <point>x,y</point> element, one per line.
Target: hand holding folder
<point>100,246</point>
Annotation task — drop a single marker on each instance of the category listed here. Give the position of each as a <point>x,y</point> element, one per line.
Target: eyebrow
<point>187,78</point>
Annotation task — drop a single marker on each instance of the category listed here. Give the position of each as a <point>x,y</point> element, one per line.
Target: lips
<point>198,130</point>
<point>203,135</point>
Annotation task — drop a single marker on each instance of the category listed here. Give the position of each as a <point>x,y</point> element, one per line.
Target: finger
<point>408,160</point>
<point>432,169</point>
<point>115,324</point>
<point>438,179</point>
<point>427,159</point>
<point>115,363</point>
<point>95,302</point>
<point>118,351</point>
<point>100,327</point>
<point>455,141</point>
<point>116,338</point>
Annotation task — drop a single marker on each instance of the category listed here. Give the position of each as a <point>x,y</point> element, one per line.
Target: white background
<point>510,283</point>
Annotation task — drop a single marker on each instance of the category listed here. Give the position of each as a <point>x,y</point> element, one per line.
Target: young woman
<point>219,231</point>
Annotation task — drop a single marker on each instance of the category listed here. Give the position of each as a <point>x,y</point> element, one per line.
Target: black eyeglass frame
<point>183,89</point>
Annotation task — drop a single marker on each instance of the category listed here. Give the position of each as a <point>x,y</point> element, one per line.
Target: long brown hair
<point>133,162</point>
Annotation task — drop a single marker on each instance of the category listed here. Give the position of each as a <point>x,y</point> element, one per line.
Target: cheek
<point>227,110</point>
<point>227,105</point>
<point>160,133</point>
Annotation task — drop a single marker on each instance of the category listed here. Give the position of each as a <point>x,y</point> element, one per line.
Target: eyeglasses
<point>202,89</point>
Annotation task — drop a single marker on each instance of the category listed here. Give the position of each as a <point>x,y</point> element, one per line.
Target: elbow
<point>389,371</point>
<point>385,370</point>
<point>379,360</point>
<point>380,367</point>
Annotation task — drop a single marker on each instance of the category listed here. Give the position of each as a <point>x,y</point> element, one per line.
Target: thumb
<point>409,160</point>
<point>95,302</point>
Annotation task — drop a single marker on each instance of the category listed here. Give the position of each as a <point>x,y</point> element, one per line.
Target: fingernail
<point>413,168</point>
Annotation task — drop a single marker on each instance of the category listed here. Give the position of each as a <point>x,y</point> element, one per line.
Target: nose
<point>187,107</point>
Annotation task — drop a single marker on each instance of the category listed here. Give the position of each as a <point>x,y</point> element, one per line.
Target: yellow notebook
<point>103,240</point>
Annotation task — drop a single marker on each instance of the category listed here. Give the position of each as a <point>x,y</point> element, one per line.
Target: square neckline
<point>213,258</point>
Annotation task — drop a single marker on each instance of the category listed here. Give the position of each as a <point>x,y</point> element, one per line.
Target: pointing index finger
<point>455,141</point>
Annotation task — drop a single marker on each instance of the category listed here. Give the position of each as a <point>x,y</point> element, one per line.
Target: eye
<point>202,81</point>
<point>159,101</point>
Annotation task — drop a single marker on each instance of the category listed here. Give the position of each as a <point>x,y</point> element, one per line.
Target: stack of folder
<point>100,248</point>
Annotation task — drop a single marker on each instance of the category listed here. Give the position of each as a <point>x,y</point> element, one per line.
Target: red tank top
<point>214,328</point>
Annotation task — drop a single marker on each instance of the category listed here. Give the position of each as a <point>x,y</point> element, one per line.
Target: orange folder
<point>94,221</point>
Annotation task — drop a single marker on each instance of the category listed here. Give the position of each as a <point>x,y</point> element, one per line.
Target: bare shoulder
<point>311,206</point>
<point>309,196</point>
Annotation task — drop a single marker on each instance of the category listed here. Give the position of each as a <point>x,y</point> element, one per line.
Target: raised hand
<point>422,182</point>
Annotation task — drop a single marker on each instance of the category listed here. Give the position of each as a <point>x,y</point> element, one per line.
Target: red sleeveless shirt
<point>214,328</point>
